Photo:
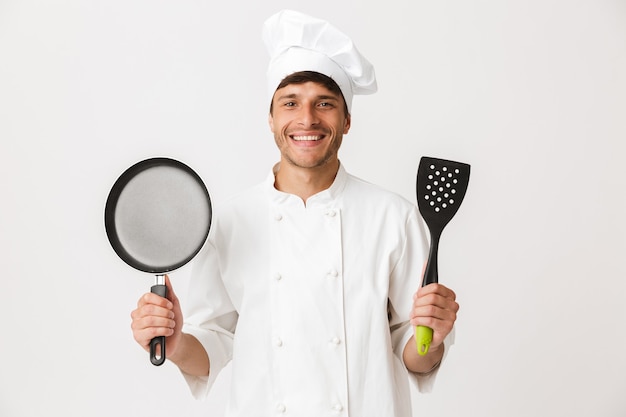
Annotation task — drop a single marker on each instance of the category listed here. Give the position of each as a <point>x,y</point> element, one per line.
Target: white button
<point>277,276</point>
<point>278,342</point>
<point>333,273</point>
<point>281,408</point>
<point>338,407</point>
<point>331,213</point>
<point>335,341</point>
<point>278,217</point>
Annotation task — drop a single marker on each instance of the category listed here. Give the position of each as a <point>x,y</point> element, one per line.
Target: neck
<point>305,182</point>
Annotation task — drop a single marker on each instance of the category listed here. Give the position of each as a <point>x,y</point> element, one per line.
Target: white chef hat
<point>297,42</point>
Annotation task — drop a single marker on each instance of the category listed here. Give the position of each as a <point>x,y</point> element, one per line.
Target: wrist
<point>422,364</point>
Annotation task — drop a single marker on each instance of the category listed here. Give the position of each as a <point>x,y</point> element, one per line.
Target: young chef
<point>308,280</point>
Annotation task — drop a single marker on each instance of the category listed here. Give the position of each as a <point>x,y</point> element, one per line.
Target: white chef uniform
<point>310,302</point>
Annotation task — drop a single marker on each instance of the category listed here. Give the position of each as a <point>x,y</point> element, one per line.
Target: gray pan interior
<point>158,215</point>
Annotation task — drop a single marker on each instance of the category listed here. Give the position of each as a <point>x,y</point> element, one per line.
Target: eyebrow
<point>320,97</point>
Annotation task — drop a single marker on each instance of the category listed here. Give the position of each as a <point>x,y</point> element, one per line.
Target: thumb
<point>171,295</point>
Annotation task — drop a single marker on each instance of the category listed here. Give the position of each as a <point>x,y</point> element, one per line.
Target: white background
<point>531,93</point>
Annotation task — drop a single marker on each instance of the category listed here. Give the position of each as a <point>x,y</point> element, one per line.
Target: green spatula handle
<point>423,337</point>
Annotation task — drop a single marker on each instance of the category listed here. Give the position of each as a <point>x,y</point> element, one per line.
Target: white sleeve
<point>210,317</point>
<point>425,382</point>
<point>405,281</point>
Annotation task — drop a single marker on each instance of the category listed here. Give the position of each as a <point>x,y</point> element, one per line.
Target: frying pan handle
<point>157,345</point>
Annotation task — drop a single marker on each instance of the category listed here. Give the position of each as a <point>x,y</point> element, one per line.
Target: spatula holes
<point>439,190</point>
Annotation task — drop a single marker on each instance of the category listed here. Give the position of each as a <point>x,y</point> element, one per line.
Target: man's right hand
<point>158,316</point>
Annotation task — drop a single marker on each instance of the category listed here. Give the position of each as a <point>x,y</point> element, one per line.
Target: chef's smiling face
<point>308,122</point>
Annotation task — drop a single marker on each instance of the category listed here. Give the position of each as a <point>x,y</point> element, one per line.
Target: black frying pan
<point>157,218</point>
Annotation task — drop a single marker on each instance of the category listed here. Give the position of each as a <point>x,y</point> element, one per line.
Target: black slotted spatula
<point>441,186</point>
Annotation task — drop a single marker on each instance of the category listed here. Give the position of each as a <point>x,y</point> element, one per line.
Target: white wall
<point>531,93</point>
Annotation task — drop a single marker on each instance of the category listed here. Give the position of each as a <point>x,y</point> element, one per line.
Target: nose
<point>308,116</point>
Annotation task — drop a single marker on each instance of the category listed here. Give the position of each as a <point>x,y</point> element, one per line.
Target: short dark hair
<point>302,77</point>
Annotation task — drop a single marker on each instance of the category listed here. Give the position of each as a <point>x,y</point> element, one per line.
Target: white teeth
<point>306,137</point>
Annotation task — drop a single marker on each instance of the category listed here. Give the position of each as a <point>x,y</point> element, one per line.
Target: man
<point>307,280</point>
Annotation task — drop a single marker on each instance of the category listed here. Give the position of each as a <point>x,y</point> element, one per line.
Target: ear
<point>270,121</point>
<point>347,123</point>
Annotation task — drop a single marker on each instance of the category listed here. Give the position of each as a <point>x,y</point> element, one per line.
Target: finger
<point>433,312</point>
<point>436,300</point>
<point>158,311</point>
<point>441,326</point>
<point>145,336</point>
<point>152,322</point>
<point>155,299</point>
<point>171,295</point>
<point>436,288</point>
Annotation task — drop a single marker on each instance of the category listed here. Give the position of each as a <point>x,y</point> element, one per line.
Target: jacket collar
<point>322,198</point>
